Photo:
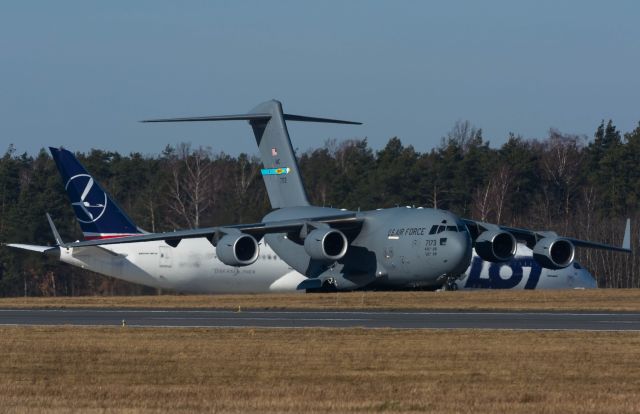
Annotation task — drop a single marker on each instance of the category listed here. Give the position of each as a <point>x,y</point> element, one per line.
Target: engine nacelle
<point>554,252</point>
<point>496,246</point>
<point>326,244</point>
<point>237,249</point>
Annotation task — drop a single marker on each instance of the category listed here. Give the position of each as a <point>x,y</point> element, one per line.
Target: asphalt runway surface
<point>605,321</point>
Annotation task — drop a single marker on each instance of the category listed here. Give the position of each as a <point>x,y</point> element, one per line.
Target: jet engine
<point>554,252</point>
<point>326,244</point>
<point>496,246</point>
<point>237,249</point>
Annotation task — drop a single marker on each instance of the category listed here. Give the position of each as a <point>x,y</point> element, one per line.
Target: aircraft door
<point>389,254</point>
<point>164,256</point>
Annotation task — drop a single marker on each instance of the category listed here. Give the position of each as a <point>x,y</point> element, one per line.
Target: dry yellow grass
<point>574,300</point>
<point>65,369</point>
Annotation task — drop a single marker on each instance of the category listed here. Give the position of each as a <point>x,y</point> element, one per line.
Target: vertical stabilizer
<point>280,173</point>
<point>98,215</point>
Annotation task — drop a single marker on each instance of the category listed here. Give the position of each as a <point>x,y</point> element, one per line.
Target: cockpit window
<point>437,229</point>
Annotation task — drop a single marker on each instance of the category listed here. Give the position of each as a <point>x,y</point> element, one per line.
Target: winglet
<point>56,235</point>
<point>626,241</point>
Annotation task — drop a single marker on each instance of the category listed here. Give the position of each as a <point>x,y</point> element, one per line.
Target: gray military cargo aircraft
<point>344,250</point>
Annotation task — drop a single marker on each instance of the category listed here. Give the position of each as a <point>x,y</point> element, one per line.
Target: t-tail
<point>280,173</point>
<point>98,215</point>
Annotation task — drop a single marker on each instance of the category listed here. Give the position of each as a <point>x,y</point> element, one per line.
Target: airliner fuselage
<point>192,266</point>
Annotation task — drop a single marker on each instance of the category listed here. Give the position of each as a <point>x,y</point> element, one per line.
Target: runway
<point>323,319</point>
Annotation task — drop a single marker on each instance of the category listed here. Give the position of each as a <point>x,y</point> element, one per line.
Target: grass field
<point>574,300</point>
<point>65,369</point>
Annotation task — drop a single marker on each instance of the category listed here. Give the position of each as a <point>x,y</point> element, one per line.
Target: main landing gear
<point>450,283</point>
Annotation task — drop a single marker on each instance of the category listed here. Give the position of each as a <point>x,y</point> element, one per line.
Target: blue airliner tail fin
<point>98,215</point>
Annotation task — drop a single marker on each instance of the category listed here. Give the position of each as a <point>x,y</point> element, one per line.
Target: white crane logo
<point>93,212</point>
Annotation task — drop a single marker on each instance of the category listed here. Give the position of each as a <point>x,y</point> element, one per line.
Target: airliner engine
<point>326,244</point>
<point>496,246</point>
<point>554,252</point>
<point>237,249</point>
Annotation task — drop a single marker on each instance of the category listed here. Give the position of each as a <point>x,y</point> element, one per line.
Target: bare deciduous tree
<point>561,162</point>
<point>464,135</point>
<point>500,190</point>
<point>482,202</point>
<point>189,191</point>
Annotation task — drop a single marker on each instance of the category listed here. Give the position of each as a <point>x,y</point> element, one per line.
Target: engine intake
<point>554,253</point>
<point>496,246</point>
<point>326,244</point>
<point>237,249</point>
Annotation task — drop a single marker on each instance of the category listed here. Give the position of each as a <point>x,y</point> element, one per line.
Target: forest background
<point>575,185</point>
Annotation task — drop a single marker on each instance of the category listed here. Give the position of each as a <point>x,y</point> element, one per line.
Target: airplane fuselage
<point>192,266</point>
<point>393,247</point>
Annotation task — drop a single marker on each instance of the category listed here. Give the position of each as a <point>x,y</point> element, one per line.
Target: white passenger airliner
<point>192,265</point>
<point>522,272</point>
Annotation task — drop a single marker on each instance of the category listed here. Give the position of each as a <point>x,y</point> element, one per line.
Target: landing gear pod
<point>496,246</point>
<point>554,253</point>
<point>237,250</point>
<point>326,244</point>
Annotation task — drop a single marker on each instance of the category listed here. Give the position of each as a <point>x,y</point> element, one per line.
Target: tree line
<point>574,185</point>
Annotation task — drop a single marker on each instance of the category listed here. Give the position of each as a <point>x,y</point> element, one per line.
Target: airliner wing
<point>342,221</point>
<point>531,237</point>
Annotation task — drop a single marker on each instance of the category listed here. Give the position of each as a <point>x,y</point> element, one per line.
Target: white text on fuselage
<point>408,231</point>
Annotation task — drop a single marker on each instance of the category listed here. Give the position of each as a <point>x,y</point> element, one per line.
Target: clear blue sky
<point>82,73</point>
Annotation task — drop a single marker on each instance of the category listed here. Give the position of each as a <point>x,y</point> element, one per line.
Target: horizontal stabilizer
<point>254,117</point>
<point>34,248</point>
<point>281,174</point>
<point>301,118</point>
<point>242,117</point>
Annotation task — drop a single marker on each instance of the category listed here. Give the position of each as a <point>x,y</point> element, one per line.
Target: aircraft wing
<point>342,221</point>
<point>531,237</point>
